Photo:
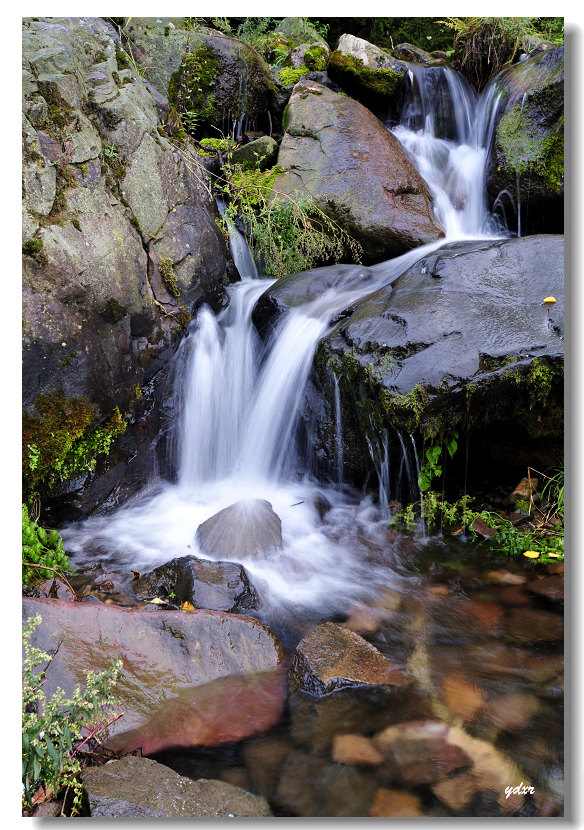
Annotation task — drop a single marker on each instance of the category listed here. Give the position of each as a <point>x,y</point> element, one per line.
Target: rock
<point>550,587</point>
<point>105,199</point>
<point>527,154</point>
<point>364,70</point>
<point>331,657</point>
<point>511,712</point>
<point>337,152</point>
<point>313,788</point>
<point>420,751</point>
<point>457,791</point>
<point>413,54</point>
<point>261,152</point>
<point>135,787</point>
<point>488,614</point>
<point>299,30</point>
<point>315,56</point>
<point>462,698</point>
<point>527,625</point>
<point>524,491</point>
<point>507,577</point>
<point>189,678</point>
<point>396,804</point>
<point>463,327</point>
<point>357,750</point>
<point>514,595</point>
<point>263,758</point>
<point>247,528</point>
<point>482,528</point>
<point>216,586</point>
<point>229,82</point>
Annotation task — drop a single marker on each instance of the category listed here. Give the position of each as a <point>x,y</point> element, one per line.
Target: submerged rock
<point>189,677</point>
<point>337,152</point>
<point>215,586</point>
<point>134,787</point>
<point>247,528</point>
<point>330,658</point>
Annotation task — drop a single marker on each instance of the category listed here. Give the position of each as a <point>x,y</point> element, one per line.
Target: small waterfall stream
<point>240,398</point>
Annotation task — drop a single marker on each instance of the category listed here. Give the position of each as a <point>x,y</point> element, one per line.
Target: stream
<point>436,606</point>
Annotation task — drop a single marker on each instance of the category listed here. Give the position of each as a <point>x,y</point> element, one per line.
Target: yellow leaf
<point>186,606</point>
<point>531,554</point>
<point>555,555</point>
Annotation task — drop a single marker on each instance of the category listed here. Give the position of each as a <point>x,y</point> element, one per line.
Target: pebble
<point>395,804</point>
<point>356,749</point>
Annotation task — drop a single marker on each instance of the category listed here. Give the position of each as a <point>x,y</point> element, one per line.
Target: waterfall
<point>447,129</point>
<point>338,433</point>
<point>241,399</point>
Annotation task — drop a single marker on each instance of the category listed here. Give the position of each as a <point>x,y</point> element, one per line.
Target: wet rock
<point>136,787</point>
<point>322,505</point>
<point>412,54</point>
<point>420,751</point>
<point>396,804</point>
<point>337,152</point>
<point>555,567</point>
<point>357,750</point>
<point>523,492</point>
<point>507,577</point>
<point>488,614</point>
<point>331,657</point>
<point>364,619</point>
<point>247,528</point>
<point>216,586</point>
<point>516,596</point>
<point>511,712</point>
<point>463,698</point>
<point>261,152</point>
<point>367,72</point>
<point>310,787</point>
<point>189,678</point>
<point>482,528</point>
<point>457,791</point>
<point>527,625</point>
<point>527,155</point>
<point>263,759</point>
<point>550,587</point>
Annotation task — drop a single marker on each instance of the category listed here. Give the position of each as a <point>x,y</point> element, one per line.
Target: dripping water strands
<point>421,492</point>
<point>338,432</point>
<point>379,453</point>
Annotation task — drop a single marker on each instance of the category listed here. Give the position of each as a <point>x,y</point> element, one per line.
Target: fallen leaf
<point>186,606</point>
<point>531,554</point>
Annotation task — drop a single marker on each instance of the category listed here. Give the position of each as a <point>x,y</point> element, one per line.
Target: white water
<point>240,402</point>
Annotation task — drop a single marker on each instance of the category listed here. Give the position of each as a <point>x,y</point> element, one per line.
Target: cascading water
<point>240,398</point>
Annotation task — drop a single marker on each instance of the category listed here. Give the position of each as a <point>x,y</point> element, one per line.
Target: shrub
<point>53,730</point>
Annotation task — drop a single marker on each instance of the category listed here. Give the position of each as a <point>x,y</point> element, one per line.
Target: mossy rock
<point>365,71</point>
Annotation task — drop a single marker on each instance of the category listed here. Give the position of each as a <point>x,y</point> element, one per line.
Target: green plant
<point>110,151</point>
<point>286,235</point>
<point>430,469</point>
<point>53,729</point>
<point>41,549</point>
<point>289,75</point>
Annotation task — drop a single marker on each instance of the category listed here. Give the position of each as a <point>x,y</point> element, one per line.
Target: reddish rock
<point>202,677</point>
<point>395,804</point>
<point>331,657</point>
<point>512,711</point>
<point>263,758</point>
<point>456,792</point>
<point>488,614</point>
<point>420,751</point>
<point>555,567</point>
<point>515,596</point>
<point>439,590</point>
<point>364,619</point>
<point>463,698</point>
<point>482,528</point>
<point>357,750</point>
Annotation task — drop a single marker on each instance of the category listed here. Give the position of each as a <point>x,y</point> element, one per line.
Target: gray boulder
<point>369,73</point>
<point>247,528</point>
<point>337,152</point>
<point>134,787</point>
<point>189,677</point>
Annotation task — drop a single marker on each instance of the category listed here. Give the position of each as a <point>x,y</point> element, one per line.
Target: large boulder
<point>366,71</point>
<point>215,586</point>
<point>225,81</point>
<point>247,528</point>
<point>189,677</point>
<point>335,151</point>
<point>461,338</point>
<point>120,242</point>
<point>139,787</point>
<point>527,155</point>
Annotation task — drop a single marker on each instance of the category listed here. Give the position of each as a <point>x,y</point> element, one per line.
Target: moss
<point>33,248</point>
<point>59,442</point>
<point>527,153</point>
<point>288,75</point>
<point>122,59</point>
<point>191,87</point>
<point>350,70</point>
<point>59,112</point>
<point>165,266</point>
<point>113,311</point>
<point>316,58</point>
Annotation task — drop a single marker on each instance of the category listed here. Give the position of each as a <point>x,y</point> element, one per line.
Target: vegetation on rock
<point>41,549</point>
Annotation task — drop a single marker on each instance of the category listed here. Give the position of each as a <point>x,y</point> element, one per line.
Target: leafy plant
<point>286,235</point>
<point>110,151</point>
<point>430,468</point>
<point>41,548</point>
<point>54,730</point>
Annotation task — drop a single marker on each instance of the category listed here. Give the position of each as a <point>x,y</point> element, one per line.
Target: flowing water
<point>239,404</point>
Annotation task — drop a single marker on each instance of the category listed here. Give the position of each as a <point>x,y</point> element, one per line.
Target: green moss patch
<point>59,442</point>
<point>353,74</point>
<point>527,152</point>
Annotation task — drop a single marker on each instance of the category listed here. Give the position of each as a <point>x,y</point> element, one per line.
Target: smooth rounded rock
<point>247,528</point>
